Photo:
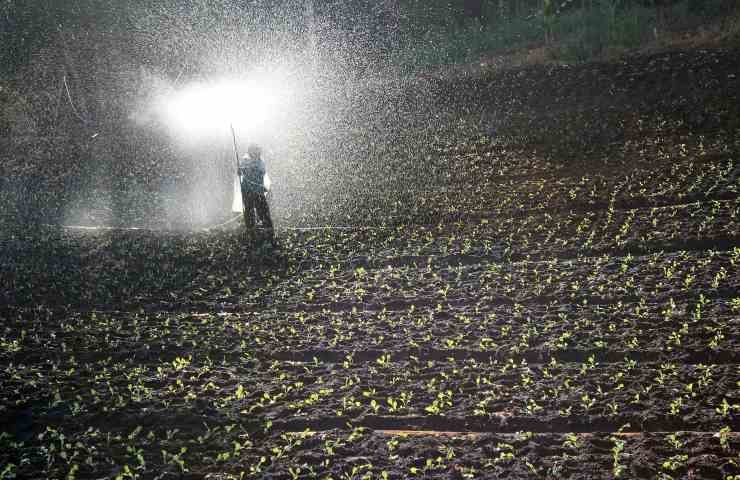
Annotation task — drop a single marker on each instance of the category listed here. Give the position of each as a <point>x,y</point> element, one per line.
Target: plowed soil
<point>551,292</point>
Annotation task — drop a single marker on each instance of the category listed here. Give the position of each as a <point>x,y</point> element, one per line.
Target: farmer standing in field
<point>252,179</point>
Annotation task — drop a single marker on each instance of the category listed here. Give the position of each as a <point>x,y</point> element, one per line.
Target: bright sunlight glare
<point>208,108</point>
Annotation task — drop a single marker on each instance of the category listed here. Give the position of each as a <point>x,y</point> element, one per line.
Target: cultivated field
<point>560,304</point>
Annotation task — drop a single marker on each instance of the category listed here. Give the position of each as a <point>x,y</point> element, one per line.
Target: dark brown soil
<point>555,286</point>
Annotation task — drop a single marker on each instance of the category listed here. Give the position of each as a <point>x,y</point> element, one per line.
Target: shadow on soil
<point>123,269</point>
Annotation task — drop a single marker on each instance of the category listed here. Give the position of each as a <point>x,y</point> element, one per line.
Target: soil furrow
<point>596,206</point>
<point>503,423</point>
<point>647,248</point>
<point>397,305</point>
<point>532,357</point>
<point>476,435</point>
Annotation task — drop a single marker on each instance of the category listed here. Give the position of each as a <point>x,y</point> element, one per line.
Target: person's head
<point>254,151</point>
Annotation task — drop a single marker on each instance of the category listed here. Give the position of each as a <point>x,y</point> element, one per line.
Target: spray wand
<point>236,152</point>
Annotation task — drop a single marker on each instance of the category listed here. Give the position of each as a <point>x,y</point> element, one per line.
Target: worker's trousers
<point>255,207</point>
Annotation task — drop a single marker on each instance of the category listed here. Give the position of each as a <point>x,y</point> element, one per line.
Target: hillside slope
<point>547,289</point>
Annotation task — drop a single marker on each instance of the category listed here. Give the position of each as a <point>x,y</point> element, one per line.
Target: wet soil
<point>557,282</point>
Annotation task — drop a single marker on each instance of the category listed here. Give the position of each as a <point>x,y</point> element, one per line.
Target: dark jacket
<point>252,175</point>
